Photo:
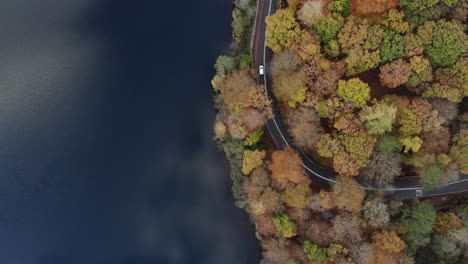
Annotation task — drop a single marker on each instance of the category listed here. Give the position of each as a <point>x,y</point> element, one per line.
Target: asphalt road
<point>403,187</point>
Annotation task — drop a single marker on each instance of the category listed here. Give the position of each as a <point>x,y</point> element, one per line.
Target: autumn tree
<point>446,222</point>
<point>353,33</point>
<point>311,12</point>
<point>437,90</point>
<point>297,196</point>
<point>252,159</point>
<point>388,241</point>
<point>288,76</point>
<point>282,30</point>
<point>361,60</point>
<point>382,169</point>
<point>436,142</point>
<point>304,125</point>
<point>370,8</point>
<point>395,74</point>
<point>286,165</point>
<point>354,90</point>
<point>394,20</point>
<point>378,118</point>
<point>347,229</point>
<point>284,226</point>
<point>459,150</point>
<point>348,194</point>
<point>236,88</point>
<point>375,214</point>
<point>275,250</point>
<point>360,146</point>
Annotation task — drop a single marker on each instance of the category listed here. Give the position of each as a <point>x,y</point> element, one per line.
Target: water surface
<point>106,152</point>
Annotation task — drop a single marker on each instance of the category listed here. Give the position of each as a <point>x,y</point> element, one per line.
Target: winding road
<point>404,187</point>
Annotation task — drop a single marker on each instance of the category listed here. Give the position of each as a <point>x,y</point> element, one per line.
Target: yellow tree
<point>282,30</point>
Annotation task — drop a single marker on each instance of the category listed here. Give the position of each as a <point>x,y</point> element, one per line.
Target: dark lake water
<point>106,152</point>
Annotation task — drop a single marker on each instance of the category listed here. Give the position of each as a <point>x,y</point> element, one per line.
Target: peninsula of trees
<point>371,89</point>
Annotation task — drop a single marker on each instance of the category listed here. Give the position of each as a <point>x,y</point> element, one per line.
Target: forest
<point>374,90</point>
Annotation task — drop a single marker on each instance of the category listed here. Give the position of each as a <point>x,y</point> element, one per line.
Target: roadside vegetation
<point>372,89</point>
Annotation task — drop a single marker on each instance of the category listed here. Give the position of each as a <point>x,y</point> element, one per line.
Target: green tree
<point>282,30</point>
<point>340,6</point>
<point>388,144</point>
<point>355,91</point>
<point>431,176</point>
<point>418,224</point>
<point>224,64</point>
<point>314,252</point>
<point>448,44</point>
<point>450,3</point>
<point>329,26</point>
<point>284,226</point>
<point>392,46</point>
<point>378,118</point>
<point>417,5</point>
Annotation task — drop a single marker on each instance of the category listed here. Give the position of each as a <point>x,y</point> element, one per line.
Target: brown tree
<point>304,125</point>
<point>436,141</point>
<point>446,109</point>
<point>347,229</point>
<point>319,231</point>
<point>372,8</point>
<point>395,74</point>
<point>348,194</point>
<point>236,88</point>
<point>286,165</point>
<point>382,169</point>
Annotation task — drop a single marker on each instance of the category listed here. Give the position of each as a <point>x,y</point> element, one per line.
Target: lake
<point>106,150</point>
